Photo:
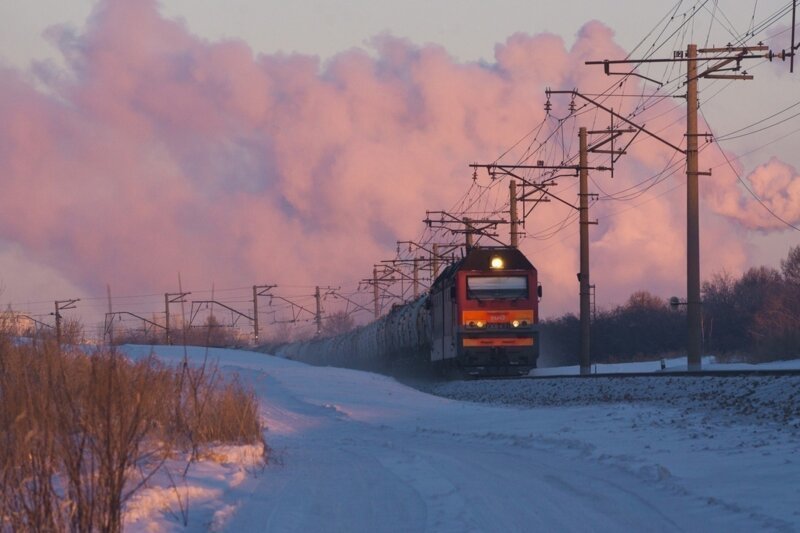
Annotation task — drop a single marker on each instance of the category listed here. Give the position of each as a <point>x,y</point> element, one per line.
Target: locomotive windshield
<point>497,287</point>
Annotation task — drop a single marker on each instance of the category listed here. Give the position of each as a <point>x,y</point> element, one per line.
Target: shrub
<point>75,427</point>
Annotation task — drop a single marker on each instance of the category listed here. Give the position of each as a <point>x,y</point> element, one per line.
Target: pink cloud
<point>159,152</point>
<point>775,184</point>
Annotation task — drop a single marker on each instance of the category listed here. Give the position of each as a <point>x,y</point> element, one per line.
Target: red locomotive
<point>484,312</point>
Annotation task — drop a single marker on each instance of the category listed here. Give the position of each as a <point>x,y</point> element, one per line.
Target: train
<point>479,318</point>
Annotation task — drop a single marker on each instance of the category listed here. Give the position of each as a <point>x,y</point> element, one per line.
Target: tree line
<point>753,318</point>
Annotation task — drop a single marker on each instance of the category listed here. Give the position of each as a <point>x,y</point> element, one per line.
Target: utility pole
<point>392,267</point>
<point>416,277</point>
<point>384,276</point>
<point>166,318</point>
<point>468,233</point>
<point>172,297</point>
<point>376,292</point>
<point>437,252</point>
<point>318,314</point>
<point>258,290</point>
<point>435,263</point>
<point>512,213</point>
<point>793,47</point>
<point>693,309</point>
<point>62,305</point>
<point>110,311</point>
<point>471,226</point>
<point>585,361</point>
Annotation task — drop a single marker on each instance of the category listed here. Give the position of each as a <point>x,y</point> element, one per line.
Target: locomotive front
<point>485,314</point>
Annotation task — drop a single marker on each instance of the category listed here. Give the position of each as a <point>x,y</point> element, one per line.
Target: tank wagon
<point>480,317</point>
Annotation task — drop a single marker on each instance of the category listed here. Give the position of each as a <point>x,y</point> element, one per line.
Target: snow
<point>709,364</point>
<point>354,451</point>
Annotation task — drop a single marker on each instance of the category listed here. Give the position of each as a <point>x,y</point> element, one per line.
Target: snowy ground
<point>355,451</point>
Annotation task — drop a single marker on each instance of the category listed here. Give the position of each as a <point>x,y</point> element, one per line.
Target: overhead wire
<point>752,193</point>
<point>733,134</point>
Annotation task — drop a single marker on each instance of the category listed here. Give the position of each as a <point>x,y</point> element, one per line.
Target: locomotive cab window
<point>497,287</point>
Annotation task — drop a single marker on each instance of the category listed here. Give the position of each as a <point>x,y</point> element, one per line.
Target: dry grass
<point>77,429</point>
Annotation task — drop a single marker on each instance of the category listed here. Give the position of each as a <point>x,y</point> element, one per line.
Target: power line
<point>731,135</point>
<point>753,194</point>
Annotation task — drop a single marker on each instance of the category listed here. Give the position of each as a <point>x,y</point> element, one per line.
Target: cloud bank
<point>157,152</point>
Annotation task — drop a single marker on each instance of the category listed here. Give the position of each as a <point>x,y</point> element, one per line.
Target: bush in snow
<point>80,433</point>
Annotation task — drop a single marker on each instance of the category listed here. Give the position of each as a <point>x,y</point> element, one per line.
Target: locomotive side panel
<point>437,322</point>
<point>449,324</point>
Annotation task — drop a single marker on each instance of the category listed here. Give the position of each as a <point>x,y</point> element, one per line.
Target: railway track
<point>663,374</point>
<point>675,374</point>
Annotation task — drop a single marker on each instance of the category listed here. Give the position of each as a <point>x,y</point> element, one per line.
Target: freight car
<point>479,318</point>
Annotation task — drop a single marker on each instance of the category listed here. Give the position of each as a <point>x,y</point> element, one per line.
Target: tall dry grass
<point>80,433</point>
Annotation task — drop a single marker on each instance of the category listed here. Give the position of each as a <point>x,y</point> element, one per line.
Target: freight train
<point>479,318</point>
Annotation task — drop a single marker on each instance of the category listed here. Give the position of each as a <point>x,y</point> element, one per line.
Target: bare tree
<point>790,267</point>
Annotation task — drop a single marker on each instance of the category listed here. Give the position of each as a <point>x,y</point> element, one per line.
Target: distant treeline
<point>754,318</point>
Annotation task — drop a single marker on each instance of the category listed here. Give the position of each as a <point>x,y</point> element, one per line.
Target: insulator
<point>548,106</point>
<point>572,106</point>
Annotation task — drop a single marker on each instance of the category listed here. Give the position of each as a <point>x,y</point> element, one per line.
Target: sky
<point>356,451</point>
<point>155,147</point>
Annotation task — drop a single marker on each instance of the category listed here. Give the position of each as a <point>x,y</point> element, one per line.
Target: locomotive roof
<point>478,258</point>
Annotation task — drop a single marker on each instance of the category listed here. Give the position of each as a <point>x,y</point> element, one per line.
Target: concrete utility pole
<point>416,277</point>
<point>166,317</point>
<point>62,305</point>
<point>470,227</point>
<point>435,254</point>
<point>376,293</point>
<point>258,290</point>
<point>512,213</point>
<point>110,330</point>
<point>318,314</point>
<point>793,47</point>
<point>583,173</point>
<point>693,309</point>
<point>172,297</point>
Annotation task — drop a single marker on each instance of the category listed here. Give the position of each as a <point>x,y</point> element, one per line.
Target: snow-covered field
<point>354,451</point>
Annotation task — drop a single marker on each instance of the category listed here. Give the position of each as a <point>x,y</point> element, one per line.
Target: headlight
<point>496,263</point>
<point>480,323</point>
<point>515,323</point>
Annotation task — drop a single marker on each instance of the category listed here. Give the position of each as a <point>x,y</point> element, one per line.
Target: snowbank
<point>360,452</point>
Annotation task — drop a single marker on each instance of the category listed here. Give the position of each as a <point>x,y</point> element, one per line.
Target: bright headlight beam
<point>496,263</point>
